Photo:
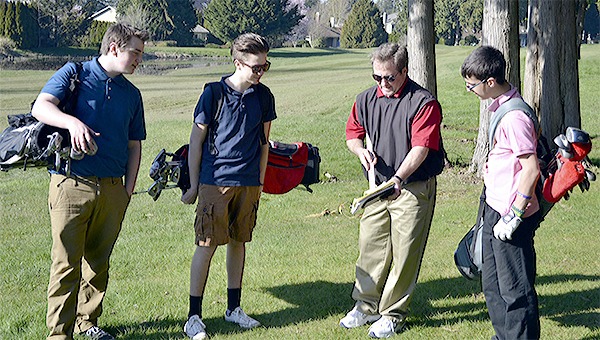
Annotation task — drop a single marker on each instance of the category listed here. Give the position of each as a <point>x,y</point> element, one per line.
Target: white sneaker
<point>356,318</point>
<point>96,333</point>
<point>238,316</point>
<point>384,328</point>
<point>194,328</point>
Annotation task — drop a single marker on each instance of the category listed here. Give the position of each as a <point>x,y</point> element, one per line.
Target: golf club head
<point>590,175</point>
<point>157,164</point>
<point>584,185</point>
<point>155,189</point>
<point>175,174</point>
<point>92,148</point>
<point>565,153</point>
<point>76,155</point>
<point>561,141</point>
<point>575,135</point>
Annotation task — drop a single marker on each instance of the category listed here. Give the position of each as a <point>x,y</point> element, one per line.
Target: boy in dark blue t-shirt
<point>227,163</point>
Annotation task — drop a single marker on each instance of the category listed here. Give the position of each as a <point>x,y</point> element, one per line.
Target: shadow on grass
<point>432,306</point>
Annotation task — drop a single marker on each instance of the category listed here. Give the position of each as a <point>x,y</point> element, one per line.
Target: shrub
<point>470,40</point>
<point>6,45</point>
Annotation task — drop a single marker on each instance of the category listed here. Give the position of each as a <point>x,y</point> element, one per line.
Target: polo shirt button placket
<point>108,89</point>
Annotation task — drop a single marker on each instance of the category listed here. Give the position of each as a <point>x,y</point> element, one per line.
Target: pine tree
<point>2,16</point>
<point>17,34</point>
<point>364,26</point>
<point>9,20</point>
<point>227,19</point>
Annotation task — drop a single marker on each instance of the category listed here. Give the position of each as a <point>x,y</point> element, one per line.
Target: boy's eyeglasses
<point>257,68</point>
<point>470,87</point>
<point>389,78</point>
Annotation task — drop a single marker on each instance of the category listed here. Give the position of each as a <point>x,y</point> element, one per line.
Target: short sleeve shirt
<point>515,136</point>
<point>235,136</point>
<point>110,106</point>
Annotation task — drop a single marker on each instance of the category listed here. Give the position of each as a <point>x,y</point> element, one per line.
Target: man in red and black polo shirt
<point>394,129</point>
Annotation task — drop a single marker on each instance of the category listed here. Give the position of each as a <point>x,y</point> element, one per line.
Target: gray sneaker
<point>356,318</point>
<point>194,328</point>
<point>96,333</point>
<point>385,328</point>
<point>238,316</point>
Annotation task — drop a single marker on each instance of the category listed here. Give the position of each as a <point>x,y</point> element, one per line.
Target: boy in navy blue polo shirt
<point>227,164</point>
<point>87,207</point>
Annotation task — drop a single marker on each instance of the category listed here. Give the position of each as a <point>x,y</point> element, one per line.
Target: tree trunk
<point>421,44</point>
<point>500,29</point>
<point>551,71</point>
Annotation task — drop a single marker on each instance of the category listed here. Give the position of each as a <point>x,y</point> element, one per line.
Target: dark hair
<point>249,43</point>
<point>121,34</point>
<point>391,52</point>
<point>483,63</point>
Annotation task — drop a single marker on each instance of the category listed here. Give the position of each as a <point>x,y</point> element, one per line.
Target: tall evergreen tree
<point>364,26</point>
<point>17,34</point>
<point>183,19</point>
<point>591,26</point>
<point>2,16</point>
<point>227,19</point>
<point>9,20</point>
<point>31,31</point>
<point>163,19</point>
<point>447,22</point>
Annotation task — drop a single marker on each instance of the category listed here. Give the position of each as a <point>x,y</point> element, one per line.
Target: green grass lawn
<point>300,265</point>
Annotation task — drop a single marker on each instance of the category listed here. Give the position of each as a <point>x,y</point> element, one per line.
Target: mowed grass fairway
<point>300,264</point>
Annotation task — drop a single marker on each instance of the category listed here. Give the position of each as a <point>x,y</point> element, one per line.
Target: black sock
<point>195,306</point>
<point>233,298</point>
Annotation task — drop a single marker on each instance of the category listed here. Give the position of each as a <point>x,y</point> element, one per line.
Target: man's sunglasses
<point>257,68</point>
<point>389,79</point>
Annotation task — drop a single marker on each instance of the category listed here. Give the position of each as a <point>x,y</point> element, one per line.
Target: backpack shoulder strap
<point>511,105</point>
<point>216,90</point>
<point>69,103</point>
<point>264,98</point>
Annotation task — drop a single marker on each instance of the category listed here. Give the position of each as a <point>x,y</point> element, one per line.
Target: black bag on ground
<point>468,256</point>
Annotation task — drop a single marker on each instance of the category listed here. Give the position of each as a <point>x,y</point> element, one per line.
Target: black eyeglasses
<point>470,87</point>
<point>389,78</point>
<point>257,68</point>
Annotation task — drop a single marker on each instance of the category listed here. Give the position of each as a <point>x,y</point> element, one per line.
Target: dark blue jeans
<point>508,277</point>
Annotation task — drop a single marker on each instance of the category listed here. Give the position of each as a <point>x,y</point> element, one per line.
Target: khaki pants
<point>86,216</point>
<point>392,240</point>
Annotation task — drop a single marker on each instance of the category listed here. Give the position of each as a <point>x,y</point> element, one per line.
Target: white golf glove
<point>504,229</point>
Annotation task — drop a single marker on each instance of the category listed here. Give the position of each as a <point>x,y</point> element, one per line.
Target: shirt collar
<point>98,71</point>
<point>395,95</point>
<point>503,98</point>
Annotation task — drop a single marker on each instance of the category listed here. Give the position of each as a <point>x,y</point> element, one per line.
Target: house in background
<point>389,21</point>
<point>200,35</point>
<point>107,14</point>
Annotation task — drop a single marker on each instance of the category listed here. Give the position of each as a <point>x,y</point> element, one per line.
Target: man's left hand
<point>397,189</point>
<point>504,229</point>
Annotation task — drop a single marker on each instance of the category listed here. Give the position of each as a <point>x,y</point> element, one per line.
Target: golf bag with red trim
<point>290,165</point>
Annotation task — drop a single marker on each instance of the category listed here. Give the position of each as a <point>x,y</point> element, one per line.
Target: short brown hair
<point>249,43</point>
<point>391,52</point>
<point>121,34</point>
